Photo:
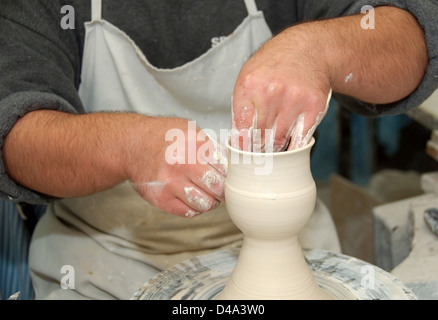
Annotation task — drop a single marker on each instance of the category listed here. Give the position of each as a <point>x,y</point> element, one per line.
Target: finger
<point>207,180</point>
<point>187,186</point>
<point>196,199</point>
<point>178,208</point>
<point>277,138</point>
<point>242,111</point>
<point>298,133</point>
<point>243,122</point>
<point>212,153</point>
<point>214,183</point>
<point>199,186</point>
<point>242,129</point>
<point>159,195</point>
<point>289,104</point>
<point>306,123</point>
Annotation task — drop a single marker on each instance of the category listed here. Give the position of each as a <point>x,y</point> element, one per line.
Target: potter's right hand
<point>178,168</point>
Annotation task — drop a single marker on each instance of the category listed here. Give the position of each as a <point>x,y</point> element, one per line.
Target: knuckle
<point>314,100</point>
<point>274,88</point>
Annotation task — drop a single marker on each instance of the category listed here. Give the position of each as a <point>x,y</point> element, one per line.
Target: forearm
<point>380,65</point>
<point>285,85</point>
<point>66,155</point>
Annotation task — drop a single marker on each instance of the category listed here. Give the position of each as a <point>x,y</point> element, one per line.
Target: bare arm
<point>67,155</point>
<point>380,65</point>
<point>286,83</point>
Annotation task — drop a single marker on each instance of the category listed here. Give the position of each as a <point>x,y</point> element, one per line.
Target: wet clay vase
<point>270,197</point>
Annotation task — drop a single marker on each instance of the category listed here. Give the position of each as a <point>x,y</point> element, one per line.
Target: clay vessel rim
<point>272,154</point>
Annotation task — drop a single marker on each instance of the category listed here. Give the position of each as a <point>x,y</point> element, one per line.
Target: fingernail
<point>197,199</point>
<point>214,182</point>
<point>216,205</point>
<point>191,213</point>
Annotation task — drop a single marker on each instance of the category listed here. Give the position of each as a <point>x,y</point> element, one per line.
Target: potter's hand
<point>185,174</point>
<point>283,87</point>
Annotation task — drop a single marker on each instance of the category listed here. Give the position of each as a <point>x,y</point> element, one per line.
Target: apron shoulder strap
<point>96,10</point>
<point>251,7</point>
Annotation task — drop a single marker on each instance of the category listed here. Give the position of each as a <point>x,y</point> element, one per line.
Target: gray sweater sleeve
<point>426,13</point>
<point>38,70</point>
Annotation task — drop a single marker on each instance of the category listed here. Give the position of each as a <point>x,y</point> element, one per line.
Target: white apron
<point>114,240</point>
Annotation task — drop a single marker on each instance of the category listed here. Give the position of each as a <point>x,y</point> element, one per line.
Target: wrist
<point>135,141</point>
<point>309,47</point>
<point>143,146</point>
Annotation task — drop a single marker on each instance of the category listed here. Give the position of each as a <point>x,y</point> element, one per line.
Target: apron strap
<point>251,7</point>
<point>96,10</point>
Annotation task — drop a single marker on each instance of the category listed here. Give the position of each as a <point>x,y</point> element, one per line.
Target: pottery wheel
<point>344,277</point>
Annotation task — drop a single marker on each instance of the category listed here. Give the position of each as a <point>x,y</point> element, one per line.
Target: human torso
<point>118,75</point>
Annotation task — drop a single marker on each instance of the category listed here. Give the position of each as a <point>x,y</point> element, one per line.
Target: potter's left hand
<point>284,87</point>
